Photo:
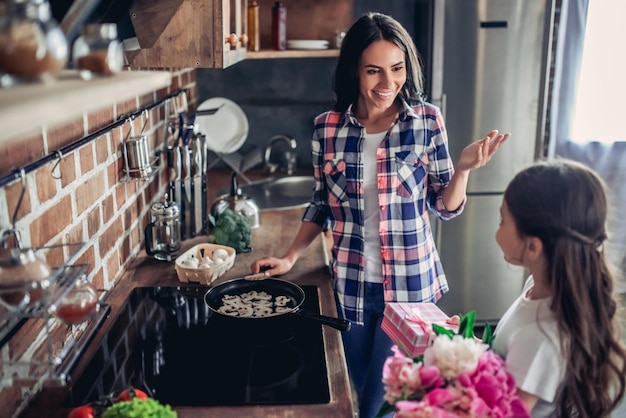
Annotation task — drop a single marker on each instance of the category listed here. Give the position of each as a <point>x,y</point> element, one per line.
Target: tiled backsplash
<point>81,197</point>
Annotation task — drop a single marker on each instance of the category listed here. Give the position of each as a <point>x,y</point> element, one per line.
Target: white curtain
<point>608,159</point>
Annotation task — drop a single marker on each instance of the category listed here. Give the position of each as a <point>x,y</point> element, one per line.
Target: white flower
<point>454,356</point>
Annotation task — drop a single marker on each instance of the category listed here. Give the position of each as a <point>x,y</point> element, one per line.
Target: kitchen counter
<point>273,237</point>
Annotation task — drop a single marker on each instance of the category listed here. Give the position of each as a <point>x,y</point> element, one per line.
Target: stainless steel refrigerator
<point>489,70</point>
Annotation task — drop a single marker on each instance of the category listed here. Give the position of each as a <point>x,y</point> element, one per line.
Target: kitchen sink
<point>279,192</point>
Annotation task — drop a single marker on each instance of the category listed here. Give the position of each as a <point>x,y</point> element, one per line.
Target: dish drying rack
<point>38,348</point>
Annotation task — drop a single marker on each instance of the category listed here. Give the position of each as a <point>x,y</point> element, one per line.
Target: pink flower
<point>494,386</point>
<point>440,396</point>
<point>403,377</point>
<point>430,377</point>
<point>484,390</point>
<point>420,409</point>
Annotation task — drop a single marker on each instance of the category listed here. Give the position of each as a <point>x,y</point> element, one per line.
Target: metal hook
<point>60,157</point>
<point>17,208</point>
<point>19,201</point>
<point>129,120</point>
<point>146,121</point>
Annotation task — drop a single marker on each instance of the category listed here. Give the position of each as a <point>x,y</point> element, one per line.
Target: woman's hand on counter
<point>271,266</point>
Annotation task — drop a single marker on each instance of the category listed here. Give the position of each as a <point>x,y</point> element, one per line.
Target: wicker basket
<point>203,275</point>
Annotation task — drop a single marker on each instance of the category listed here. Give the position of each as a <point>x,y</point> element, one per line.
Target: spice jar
<point>98,52</point>
<point>23,277</point>
<point>31,42</point>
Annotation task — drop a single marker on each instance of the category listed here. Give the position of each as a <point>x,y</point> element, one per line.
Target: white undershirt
<point>373,261</point>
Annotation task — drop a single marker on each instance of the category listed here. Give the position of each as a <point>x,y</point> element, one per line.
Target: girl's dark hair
<point>368,29</point>
<point>564,204</point>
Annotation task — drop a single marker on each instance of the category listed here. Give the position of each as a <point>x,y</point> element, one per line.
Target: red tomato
<point>132,393</point>
<point>84,411</point>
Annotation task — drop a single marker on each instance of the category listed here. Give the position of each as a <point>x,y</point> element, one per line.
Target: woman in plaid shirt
<point>380,162</point>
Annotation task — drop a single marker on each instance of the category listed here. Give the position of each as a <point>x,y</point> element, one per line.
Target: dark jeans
<point>367,347</point>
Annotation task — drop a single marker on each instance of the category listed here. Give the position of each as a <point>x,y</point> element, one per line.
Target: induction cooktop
<point>167,342</point>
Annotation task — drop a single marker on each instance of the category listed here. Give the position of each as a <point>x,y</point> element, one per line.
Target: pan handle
<point>337,323</point>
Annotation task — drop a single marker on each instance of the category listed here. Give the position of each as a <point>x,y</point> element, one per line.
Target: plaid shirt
<point>414,167</point>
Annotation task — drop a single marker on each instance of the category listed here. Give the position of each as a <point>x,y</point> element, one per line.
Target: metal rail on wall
<point>20,171</point>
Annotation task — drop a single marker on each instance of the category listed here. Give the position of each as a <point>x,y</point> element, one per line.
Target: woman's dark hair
<point>368,29</point>
<point>564,204</point>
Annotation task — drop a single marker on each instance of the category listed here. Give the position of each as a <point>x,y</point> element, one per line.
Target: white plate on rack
<point>226,129</point>
<point>307,44</point>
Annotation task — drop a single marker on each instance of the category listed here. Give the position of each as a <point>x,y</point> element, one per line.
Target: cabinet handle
<point>243,39</point>
<point>232,40</point>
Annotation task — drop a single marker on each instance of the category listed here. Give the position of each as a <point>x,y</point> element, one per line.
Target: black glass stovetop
<point>186,355</point>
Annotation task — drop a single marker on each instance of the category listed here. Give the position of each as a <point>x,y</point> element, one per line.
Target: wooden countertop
<point>278,227</point>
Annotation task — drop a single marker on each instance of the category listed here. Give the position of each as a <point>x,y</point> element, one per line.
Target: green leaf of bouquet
<point>439,330</point>
<point>466,327</point>
<point>385,409</point>
<point>488,335</point>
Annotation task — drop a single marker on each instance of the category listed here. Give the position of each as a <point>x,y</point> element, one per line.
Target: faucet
<point>289,156</point>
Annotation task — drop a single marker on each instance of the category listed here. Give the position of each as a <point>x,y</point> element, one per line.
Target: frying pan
<point>275,287</point>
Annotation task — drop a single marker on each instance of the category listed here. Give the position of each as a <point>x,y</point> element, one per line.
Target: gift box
<point>409,325</point>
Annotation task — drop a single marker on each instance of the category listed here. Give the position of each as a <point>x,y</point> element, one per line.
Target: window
<point>600,108</point>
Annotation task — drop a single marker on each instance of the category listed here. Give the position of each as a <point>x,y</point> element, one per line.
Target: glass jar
<point>23,278</point>
<point>162,234</point>
<point>79,304</point>
<point>98,52</point>
<point>31,42</point>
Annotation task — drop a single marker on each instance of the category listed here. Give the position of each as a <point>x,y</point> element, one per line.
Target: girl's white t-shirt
<point>373,260</point>
<point>528,339</point>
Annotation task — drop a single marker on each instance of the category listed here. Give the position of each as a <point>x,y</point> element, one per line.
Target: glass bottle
<point>254,42</point>
<point>32,44</point>
<point>98,52</point>
<point>279,26</point>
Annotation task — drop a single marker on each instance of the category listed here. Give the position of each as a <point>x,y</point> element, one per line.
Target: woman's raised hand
<point>478,153</point>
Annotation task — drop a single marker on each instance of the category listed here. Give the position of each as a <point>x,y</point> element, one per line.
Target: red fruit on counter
<point>131,393</point>
<point>84,411</point>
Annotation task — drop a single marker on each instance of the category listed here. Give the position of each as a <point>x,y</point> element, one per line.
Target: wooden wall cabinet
<point>212,33</point>
<point>189,33</point>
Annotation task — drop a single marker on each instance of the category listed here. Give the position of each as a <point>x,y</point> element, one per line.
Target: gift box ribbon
<point>416,317</point>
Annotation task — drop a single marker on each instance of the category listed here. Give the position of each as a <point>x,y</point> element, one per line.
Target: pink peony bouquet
<point>457,376</point>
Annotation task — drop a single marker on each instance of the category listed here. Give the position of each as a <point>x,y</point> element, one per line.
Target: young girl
<point>559,338</point>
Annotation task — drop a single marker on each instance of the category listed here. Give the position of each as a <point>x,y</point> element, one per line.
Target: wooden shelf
<point>28,106</point>
<point>263,54</point>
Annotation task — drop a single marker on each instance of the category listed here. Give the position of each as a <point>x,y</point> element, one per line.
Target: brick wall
<point>82,197</point>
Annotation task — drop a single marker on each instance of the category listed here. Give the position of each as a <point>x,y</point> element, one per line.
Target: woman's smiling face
<point>382,73</point>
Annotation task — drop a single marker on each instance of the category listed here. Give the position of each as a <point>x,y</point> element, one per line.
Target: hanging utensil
<point>178,188</point>
<point>187,133</point>
<point>197,179</point>
<point>205,163</point>
<point>208,112</point>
